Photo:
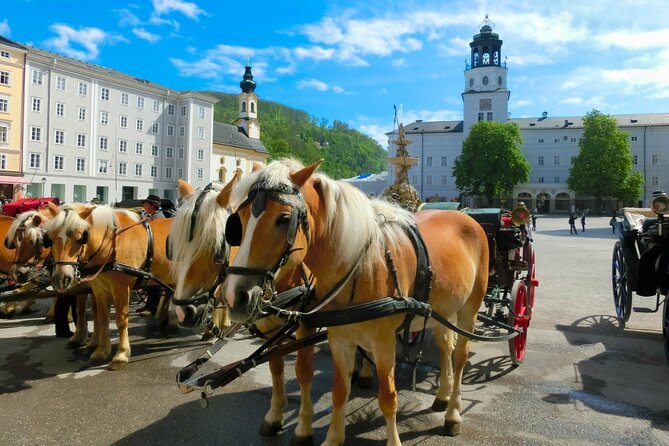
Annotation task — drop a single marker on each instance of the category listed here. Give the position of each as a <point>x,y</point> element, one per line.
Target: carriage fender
<point>646,276</point>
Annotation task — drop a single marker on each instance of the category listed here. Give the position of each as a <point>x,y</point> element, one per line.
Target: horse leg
<point>24,307</point>
<point>121,292</point>
<point>81,330</point>
<point>103,345</point>
<point>273,421</point>
<point>10,309</point>
<point>304,370</point>
<point>93,339</point>
<point>383,348</point>
<point>50,314</point>
<point>343,359</point>
<point>445,344</point>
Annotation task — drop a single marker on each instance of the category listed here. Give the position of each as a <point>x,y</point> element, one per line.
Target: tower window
<point>480,116</point>
<point>495,58</point>
<point>253,107</point>
<point>243,106</point>
<point>485,60</point>
<point>476,60</point>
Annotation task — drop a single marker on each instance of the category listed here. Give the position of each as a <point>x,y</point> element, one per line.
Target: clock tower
<point>248,105</point>
<point>485,97</point>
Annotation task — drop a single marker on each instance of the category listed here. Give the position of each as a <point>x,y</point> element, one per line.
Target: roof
<point>6,41</point>
<point>231,135</point>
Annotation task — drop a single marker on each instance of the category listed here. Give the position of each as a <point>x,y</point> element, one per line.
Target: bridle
<point>39,246</point>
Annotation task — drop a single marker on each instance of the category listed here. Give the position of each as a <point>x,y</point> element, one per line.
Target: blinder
<point>9,244</point>
<point>168,248</point>
<point>46,240</point>
<point>233,230</point>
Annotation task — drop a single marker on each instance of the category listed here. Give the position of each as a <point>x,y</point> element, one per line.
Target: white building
<point>549,142</point>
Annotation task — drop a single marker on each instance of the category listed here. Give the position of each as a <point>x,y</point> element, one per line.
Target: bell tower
<point>486,97</point>
<point>248,105</point>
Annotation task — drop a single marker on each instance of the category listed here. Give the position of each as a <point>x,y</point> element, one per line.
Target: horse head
<point>270,226</point>
<point>26,237</point>
<point>197,248</point>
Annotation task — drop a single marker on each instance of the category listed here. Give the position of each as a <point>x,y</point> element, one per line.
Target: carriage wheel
<point>531,279</point>
<point>518,318</point>
<point>665,326</point>
<point>622,295</point>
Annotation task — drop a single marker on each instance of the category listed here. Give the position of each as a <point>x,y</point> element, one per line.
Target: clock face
<point>499,80</point>
<point>471,82</point>
<point>485,80</point>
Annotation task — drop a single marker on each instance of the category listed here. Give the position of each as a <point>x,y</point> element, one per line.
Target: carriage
<point>640,262</point>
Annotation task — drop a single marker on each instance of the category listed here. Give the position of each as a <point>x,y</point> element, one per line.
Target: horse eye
<point>283,219</point>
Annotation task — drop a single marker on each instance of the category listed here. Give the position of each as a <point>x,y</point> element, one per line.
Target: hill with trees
<point>286,131</point>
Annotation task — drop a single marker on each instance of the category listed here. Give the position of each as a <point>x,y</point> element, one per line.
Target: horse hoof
<point>73,345</point>
<point>117,365</point>
<point>270,429</point>
<point>48,319</point>
<point>302,441</point>
<point>451,428</point>
<point>96,361</point>
<point>364,382</point>
<point>439,405</point>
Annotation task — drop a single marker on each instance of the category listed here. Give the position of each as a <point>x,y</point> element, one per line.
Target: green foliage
<point>603,166</point>
<point>289,132</point>
<point>492,162</point>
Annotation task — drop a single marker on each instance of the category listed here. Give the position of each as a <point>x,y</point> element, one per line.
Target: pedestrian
<point>583,222</point>
<point>572,224</point>
<point>613,222</point>
<point>534,221</point>
<point>153,211</point>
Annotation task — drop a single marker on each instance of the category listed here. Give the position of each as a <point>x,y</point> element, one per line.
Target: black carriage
<point>640,262</point>
<point>512,281</point>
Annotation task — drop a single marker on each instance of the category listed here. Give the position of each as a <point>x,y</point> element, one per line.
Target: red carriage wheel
<point>518,319</point>
<point>622,295</point>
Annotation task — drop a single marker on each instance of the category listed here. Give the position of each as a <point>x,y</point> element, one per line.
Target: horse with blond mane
<point>199,255</point>
<point>7,259</point>
<point>108,249</point>
<point>361,251</point>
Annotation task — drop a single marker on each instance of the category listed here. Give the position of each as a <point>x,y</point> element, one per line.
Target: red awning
<point>12,180</point>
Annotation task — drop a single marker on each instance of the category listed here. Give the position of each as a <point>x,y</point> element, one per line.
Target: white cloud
<point>316,53</point>
<point>146,35</point>
<point>312,84</point>
<point>189,9</point>
<point>5,30</point>
<point>376,132</point>
<point>83,43</point>
<point>399,62</point>
<point>633,40</point>
<point>127,18</point>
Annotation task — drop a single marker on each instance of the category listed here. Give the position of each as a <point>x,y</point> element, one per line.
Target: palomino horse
<point>7,258</point>
<point>361,250</point>
<point>25,237</point>
<point>109,244</point>
<point>199,255</point>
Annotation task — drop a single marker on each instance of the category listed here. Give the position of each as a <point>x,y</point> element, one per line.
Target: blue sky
<point>345,61</point>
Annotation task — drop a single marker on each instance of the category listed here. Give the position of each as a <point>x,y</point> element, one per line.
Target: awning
<point>12,180</point>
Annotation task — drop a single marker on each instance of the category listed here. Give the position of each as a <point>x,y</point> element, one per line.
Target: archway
<point>543,203</point>
<point>526,198</point>
<point>562,202</point>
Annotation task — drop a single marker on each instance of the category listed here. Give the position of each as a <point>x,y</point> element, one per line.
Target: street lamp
<point>43,186</point>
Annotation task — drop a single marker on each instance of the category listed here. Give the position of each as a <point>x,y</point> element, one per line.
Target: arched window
<point>222,174</point>
<point>253,107</point>
<point>485,60</point>
<point>476,60</point>
<point>495,58</point>
<point>244,106</point>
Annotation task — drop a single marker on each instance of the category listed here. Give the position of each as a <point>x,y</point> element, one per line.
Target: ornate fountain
<point>402,192</point>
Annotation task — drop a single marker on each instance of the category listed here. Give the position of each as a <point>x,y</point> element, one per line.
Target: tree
<point>491,163</point>
<point>603,166</point>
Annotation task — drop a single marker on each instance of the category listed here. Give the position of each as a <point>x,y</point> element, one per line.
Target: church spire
<point>248,85</point>
<point>248,103</point>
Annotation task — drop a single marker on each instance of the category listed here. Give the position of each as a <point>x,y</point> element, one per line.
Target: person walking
<point>153,211</point>
<point>583,222</point>
<point>572,224</point>
<point>613,222</point>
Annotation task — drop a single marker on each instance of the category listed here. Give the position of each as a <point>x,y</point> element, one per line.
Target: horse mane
<point>102,217</point>
<point>31,233</point>
<point>377,222</point>
<point>208,233</point>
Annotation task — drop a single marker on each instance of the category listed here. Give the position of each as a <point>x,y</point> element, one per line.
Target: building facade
<point>550,143</point>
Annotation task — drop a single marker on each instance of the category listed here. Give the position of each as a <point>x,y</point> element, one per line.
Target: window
<point>169,152</point>
<point>81,112</point>
<point>183,110</point>
<point>168,172</point>
<point>444,161</point>
<point>480,116</point>
<point>103,144</point>
<point>540,180</point>
<point>253,107</point>
<point>170,109</point>
<point>540,161</point>
<point>541,140</point>
<point>139,124</point>
<point>655,159</point>
<point>83,89</point>
<point>80,164</point>
<point>4,54</point>
<point>634,138</point>
<point>170,130</point>
<point>635,159</point>
<point>37,77</point>
<point>243,106</point>
<point>139,148</point>
<point>155,127</point>
<point>200,132</point>
<point>4,77</point>
<point>104,94</point>
<point>654,181</point>
<point>200,112</point>
<point>104,118</point>
<point>556,160</point>
<point>4,105</point>
<point>60,109</point>
<point>199,173</point>
<point>489,116</point>
<point>180,172</point>
<point>156,106</point>
<point>180,153</point>
<point>444,180</point>
<point>3,161</point>
<point>122,168</point>
<point>59,136</point>
<point>556,179</point>
<point>140,102</point>
<point>138,170</point>
<point>122,146</point>
<point>200,154</point>
<point>124,98</point>
<point>37,104</point>
<point>155,150</point>
<point>573,140</point>
<point>429,161</point>
<point>61,83</point>
<point>182,130</point>
<point>123,122</point>
<point>428,180</point>
<point>58,162</point>
<point>35,161</point>
<point>35,133</point>
<point>103,166</point>
<point>4,134</point>
<point>154,171</point>
<point>81,140</point>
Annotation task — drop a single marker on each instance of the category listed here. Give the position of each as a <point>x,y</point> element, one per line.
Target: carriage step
<point>644,310</point>
<point>518,265</point>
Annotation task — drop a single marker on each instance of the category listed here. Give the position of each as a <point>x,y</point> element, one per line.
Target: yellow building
<point>12,63</point>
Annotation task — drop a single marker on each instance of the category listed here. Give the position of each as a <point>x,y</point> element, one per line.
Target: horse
<point>361,250</point>
<point>113,246</point>
<point>199,254</point>
<point>25,237</point>
<point>7,257</point>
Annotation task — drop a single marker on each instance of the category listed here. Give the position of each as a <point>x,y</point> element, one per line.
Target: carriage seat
<point>638,219</point>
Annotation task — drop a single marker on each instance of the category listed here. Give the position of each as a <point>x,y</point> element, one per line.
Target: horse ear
<point>301,176</point>
<point>86,212</point>
<point>185,189</point>
<point>37,220</point>
<point>53,209</point>
<point>257,166</point>
<point>223,197</point>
